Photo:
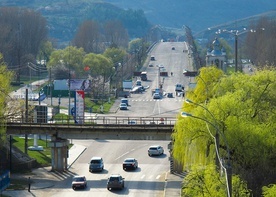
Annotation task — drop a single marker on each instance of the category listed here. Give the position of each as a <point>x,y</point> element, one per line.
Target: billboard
<point>80,84</point>
<point>75,84</point>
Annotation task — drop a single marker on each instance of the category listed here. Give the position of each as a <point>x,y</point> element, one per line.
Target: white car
<point>156,96</point>
<point>155,150</point>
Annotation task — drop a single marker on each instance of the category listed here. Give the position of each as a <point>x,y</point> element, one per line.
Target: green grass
<point>42,157</point>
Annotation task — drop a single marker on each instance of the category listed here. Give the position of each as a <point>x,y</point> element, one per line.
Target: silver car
<point>130,163</point>
<point>155,150</point>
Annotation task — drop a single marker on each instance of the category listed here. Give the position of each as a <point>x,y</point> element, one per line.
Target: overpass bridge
<point>119,128</point>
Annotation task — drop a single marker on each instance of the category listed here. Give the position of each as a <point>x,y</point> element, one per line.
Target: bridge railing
<point>98,120</point>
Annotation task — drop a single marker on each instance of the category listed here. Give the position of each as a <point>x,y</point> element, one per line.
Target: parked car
<point>156,96</point>
<point>115,181</point>
<point>96,164</point>
<point>79,182</point>
<point>155,150</point>
<point>123,106</point>
<point>130,163</point>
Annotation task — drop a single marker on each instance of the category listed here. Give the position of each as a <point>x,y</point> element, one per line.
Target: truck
<point>144,76</point>
<point>127,84</point>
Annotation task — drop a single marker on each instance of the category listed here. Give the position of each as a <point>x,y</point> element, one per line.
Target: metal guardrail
<point>103,120</point>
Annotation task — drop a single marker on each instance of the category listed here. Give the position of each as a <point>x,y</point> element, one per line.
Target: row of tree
<point>241,110</point>
<point>24,40</point>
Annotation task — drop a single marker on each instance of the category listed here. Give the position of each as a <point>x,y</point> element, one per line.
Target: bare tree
<point>116,34</point>
<point>260,44</point>
<point>23,33</point>
<point>88,37</point>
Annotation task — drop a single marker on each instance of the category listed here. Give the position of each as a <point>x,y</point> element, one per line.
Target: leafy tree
<point>243,108</point>
<point>5,79</point>
<point>68,59</point>
<point>117,55</point>
<point>100,70</point>
<point>206,181</point>
<point>269,191</point>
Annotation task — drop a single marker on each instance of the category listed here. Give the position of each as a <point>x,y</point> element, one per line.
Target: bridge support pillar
<point>59,151</point>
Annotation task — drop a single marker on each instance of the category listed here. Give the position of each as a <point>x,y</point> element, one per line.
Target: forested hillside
<point>64,16</point>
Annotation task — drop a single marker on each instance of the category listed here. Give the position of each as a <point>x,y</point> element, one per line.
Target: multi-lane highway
<point>166,59</point>
<point>148,180</point>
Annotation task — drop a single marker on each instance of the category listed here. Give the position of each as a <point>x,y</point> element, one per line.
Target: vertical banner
<point>79,107</point>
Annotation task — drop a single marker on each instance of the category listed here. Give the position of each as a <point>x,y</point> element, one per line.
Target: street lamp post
<point>227,168</point>
<point>236,33</point>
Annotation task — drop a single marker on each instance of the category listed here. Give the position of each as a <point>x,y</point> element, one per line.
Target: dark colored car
<point>170,95</point>
<point>115,181</point>
<point>79,182</point>
<point>96,164</point>
<point>130,163</point>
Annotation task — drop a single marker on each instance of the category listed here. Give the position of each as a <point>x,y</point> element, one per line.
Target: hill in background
<point>199,14</point>
<point>65,16</point>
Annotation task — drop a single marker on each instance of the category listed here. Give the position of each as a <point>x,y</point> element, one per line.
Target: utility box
<point>41,113</point>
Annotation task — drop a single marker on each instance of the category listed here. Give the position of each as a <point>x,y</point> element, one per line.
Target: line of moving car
<point>115,181</point>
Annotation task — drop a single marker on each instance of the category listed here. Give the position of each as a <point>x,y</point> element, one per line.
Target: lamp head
<point>184,114</point>
<point>188,101</point>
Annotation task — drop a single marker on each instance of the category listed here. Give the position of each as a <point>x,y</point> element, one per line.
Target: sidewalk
<point>43,178</point>
<point>172,185</point>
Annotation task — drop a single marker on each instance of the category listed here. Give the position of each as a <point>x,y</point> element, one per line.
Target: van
<point>144,76</point>
<point>96,164</point>
<point>124,100</point>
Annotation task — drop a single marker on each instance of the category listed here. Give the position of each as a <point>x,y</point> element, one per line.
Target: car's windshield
<point>114,179</point>
<point>129,160</point>
<point>96,161</point>
<point>78,179</point>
